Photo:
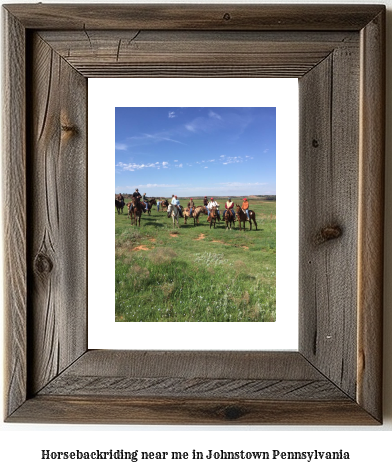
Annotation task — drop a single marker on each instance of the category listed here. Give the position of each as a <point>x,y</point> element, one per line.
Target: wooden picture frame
<point>338,54</point>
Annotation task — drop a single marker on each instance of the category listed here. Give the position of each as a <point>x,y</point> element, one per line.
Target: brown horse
<point>136,212</point>
<point>229,218</point>
<point>187,214</point>
<point>214,216</point>
<point>196,213</point>
<point>242,217</point>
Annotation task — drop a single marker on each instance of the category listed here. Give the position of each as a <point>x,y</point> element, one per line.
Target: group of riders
<point>142,202</point>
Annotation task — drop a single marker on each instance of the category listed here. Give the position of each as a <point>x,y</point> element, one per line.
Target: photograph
<point>195,214</point>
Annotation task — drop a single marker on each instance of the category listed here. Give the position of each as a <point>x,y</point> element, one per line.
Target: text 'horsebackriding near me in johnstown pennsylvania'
<point>195,214</point>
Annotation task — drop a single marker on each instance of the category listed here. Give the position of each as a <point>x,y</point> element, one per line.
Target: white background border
<point>104,96</point>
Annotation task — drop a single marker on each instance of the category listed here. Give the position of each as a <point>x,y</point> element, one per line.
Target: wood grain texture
<point>206,374</point>
<point>206,364</point>
<point>195,17</point>
<point>14,200</point>
<point>103,409</point>
<point>371,216</point>
<point>329,97</point>
<point>196,53</point>
<point>336,376</point>
<point>57,215</point>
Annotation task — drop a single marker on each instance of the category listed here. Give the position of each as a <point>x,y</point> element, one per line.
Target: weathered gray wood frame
<point>337,52</point>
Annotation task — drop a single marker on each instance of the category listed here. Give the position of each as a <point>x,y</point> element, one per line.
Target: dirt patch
<point>139,248</point>
<point>245,247</point>
<point>173,235</point>
<point>152,239</point>
<point>219,242</point>
<point>201,237</point>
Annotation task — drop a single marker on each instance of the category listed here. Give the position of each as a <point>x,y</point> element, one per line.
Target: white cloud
<point>121,146</point>
<point>135,166</point>
<point>214,115</point>
<point>146,138</point>
<point>171,115</point>
<point>232,159</point>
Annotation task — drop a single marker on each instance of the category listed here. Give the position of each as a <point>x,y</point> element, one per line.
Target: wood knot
<point>315,143</point>
<point>328,233</point>
<point>43,264</point>
<point>227,16</point>
<point>68,128</point>
<point>232,413</point>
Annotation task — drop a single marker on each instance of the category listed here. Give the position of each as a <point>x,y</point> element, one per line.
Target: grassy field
<point>196,273</point>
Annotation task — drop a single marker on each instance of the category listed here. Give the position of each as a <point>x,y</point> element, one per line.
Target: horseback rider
<point>245,207</point>
<point>137,197</point>
<point>145,202</point>
<point>176,202</point>
<point>191,206</point>
<point>229,206</point>
<point>210,205</point>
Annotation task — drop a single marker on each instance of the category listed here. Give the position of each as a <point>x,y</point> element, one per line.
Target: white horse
<point>174,213</point>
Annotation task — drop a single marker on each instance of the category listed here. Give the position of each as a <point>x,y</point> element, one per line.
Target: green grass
<point>166,275</point>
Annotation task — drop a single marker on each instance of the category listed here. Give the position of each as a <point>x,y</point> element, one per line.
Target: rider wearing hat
<point>137,196</point>
<point>210,205</point>
<point>245,207</point>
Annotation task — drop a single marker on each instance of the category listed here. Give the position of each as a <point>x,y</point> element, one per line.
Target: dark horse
<point>150,203</point>
<point>119,206</point>
<point>136,212</point>
<point>242,217</point>
<point>229,218</point>
<point>164,203</point>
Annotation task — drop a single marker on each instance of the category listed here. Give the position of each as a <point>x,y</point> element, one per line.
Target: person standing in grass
<point>245,207</point>
<point>205,202</point>
<point>158,203</point>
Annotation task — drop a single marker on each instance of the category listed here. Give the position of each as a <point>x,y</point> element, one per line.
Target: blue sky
<point>191,151</point>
